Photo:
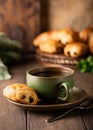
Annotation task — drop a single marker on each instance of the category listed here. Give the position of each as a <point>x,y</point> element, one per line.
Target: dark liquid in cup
<point>49,73</point>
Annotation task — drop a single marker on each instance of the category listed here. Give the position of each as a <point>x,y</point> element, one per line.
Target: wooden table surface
<point>13,117</point>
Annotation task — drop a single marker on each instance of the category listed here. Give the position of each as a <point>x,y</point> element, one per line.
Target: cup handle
<point>63,91</point>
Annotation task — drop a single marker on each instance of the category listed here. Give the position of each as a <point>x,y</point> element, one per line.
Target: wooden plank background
<point>20,19</point>
<point>57,14</point>
<point>25,19</point>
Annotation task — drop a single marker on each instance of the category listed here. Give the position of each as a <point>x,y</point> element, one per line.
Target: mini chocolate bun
<point>44,37</point>
<point>90,43</point>
<point>20,93</point>
<point>51,46</point>
<point>84,34</point>
<point>76,49</point>
<point>10,90</point>
<point>27,96</point>
<point>67,35</point>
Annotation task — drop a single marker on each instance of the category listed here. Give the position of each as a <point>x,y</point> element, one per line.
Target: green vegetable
<point>10,50</point>
<point>86,65</point>
<point>7,44</point>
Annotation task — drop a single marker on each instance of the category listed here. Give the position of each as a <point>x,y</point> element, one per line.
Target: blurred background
<point>23,20</point>
<point>57,14</point>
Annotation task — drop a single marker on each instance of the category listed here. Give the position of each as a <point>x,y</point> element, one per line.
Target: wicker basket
<point>56,58</point>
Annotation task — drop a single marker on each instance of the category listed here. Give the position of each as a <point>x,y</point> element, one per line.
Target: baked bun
<point>63,35</point>
<point>76,49</point>
<point>10,90</point>
<point>84,34</point>
<point>51,46</point>
<point>21,93</point>
<point>90,43</point>
<point>27,96</point>
<point>44,37</point>
<point>66,36</point>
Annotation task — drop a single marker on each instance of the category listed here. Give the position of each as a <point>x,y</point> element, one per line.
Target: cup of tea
<point>51,83</point>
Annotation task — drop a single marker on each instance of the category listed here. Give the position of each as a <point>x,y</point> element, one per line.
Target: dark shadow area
<point>44,15</point>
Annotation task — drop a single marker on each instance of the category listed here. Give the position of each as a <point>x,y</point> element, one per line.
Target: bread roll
<point>63,35</point>
<point>44,37</point>
<point>27,96</point>
<point>90,43</point>
<point>75,50</point>
<point>21,93</point>
<point>84,34</point>
<point>66,36</point>
<point>51,46</point>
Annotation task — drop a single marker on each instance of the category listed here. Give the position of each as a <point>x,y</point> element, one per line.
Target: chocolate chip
<point>75,53</point>
<point>31,99</point>
<point>68,53</point>
<point>23,97</point>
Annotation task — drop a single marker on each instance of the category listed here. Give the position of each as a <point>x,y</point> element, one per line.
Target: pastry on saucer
<point>21,93</point>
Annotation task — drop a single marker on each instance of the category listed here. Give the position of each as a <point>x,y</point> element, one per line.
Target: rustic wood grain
<point>20,19</point>
<point>67,123</point>
<point>15,118</point>
<point>11,117</point>
<point>87,117</point>
<point>59,14</point>
<point>84,81</point>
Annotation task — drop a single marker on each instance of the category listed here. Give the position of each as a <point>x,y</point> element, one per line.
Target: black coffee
<point>49,73</point>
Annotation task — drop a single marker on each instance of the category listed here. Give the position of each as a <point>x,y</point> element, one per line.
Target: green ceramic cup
<point>51,83</point>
